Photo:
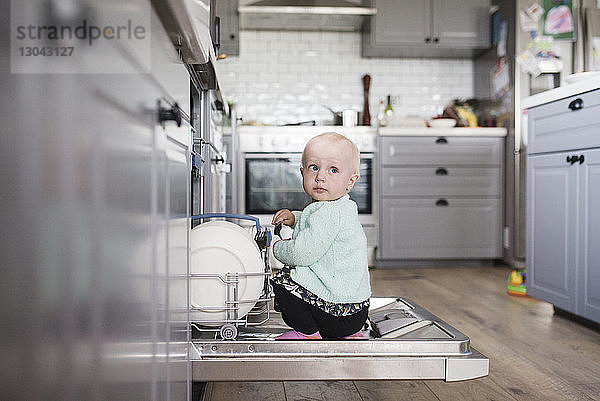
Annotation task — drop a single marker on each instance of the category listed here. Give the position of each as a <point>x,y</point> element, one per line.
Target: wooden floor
<point>534,354</point>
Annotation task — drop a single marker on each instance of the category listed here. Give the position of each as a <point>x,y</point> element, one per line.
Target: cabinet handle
<point>576,104</point>
<point>574,159</point>
<point>441,171</point>
<point>436,40</point>
<point>427,40</point>
<point>441,202</point>
<point>441,140</point>
<point>165,114</point>
<point>217,39</point>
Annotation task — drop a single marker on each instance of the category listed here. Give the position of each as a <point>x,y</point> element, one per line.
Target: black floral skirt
<point>284,279</point>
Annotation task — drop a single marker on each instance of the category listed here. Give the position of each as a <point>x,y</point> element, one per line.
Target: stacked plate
<point>219,248</point>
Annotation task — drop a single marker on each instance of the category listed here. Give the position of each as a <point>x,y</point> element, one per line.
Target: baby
<point>323,290</point>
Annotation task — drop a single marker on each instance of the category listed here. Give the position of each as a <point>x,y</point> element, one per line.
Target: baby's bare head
<point>346,147</point>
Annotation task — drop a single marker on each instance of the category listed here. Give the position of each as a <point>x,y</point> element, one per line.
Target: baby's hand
<point>284,216</point>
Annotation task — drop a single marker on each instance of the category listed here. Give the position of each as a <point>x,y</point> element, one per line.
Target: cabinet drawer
<point>418,228</point>
<point>449,150</point>
<point>440,181</point>
<point>556,127</point>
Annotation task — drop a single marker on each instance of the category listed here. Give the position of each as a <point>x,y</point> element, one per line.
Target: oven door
<point>272,181</point>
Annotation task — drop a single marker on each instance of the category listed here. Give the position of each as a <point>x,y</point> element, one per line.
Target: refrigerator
<point>506,103</point>
<point>505,107</point>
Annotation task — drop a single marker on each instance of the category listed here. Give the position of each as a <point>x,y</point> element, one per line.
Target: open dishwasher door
<point>402,341</point>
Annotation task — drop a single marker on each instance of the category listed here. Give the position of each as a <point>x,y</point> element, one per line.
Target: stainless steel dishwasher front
<point>402,341</point>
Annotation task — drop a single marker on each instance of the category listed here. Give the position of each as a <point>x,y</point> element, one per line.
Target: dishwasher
<point>235,339</point>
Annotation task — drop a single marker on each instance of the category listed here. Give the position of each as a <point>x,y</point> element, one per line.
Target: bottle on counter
<point>389,111</point>
<point>381,114</point>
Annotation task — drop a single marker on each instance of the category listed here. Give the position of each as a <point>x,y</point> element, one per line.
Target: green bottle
<point>389,111</point>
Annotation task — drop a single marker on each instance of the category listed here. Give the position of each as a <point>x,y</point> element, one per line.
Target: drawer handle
<point>441,171</point>
<point>441,202</point>
<point>441,140</point>
<point>576,104</point>
<point>574,159</point>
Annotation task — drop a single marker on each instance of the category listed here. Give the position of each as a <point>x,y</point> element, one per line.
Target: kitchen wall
<point>286,77</point>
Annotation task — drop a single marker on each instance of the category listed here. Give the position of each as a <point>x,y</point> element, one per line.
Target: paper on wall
<point>528,63</point>
<point>527,23</point>
<point>501,79</point>
<point>501,50</point>
<point>535,11</point>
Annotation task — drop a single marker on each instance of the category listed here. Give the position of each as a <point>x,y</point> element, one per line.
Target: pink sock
<point>356,336</point>
<point>296,335</point>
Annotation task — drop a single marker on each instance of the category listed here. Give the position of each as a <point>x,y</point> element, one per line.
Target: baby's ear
<point>353,179</point>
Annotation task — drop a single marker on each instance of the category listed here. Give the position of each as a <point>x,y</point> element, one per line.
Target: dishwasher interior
<point>401,340</point>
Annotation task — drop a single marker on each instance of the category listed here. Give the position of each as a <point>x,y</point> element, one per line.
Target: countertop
<point>305,129</point>
<point>479,131</point>
<point>382,131</point>
<point>561,92</point>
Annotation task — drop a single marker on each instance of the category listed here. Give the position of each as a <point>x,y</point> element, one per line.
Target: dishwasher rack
<point>227,328</point>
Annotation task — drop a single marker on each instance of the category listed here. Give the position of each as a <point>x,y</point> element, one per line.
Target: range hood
<point>303,15</point>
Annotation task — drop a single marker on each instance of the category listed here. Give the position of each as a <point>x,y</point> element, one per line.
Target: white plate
<point>442,123</point>
<point>581,76</point>
<point>221,247</point>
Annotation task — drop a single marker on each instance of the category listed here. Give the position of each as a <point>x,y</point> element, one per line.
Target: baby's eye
<point>334,170</point>
<point>312,167</point>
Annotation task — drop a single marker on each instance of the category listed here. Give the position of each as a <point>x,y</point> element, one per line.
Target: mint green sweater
<point>328,249</point>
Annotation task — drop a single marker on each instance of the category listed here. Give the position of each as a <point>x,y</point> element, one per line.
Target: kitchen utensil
<point>223,253</point>
<point>309,122</point>
<point>346,117</point>
<point>442,123</point>
<point>349,118</point>
<point>366,115</point>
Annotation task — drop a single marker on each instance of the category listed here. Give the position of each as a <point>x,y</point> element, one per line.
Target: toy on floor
<point>516,283</point>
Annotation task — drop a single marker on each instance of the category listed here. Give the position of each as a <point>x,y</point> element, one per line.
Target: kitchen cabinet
<point>227,11</point>
<point>441,197</point>
<point>563,221</point>
<point>94,214</point>
<point>430,28</point>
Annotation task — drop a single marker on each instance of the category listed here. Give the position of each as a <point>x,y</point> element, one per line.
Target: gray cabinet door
<point>230,27</point>
<point>588,290</point>
<point>435,228</point>
<point>570,123</point>
<point>427,28</point>
<point>402,21</point>
<point>441,151</point>
<point>440,180</point>
<point>552,194</point>
<point>461,23</point>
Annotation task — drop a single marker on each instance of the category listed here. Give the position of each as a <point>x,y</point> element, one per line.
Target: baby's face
<point>329,170</point>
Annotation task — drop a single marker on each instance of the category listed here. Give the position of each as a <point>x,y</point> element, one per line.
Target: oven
<point>268,173</point>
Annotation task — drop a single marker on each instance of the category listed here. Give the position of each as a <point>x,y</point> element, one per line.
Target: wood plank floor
<point>534,354</point>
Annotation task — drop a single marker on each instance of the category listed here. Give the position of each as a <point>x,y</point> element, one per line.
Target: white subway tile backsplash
<point>286,77</point>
